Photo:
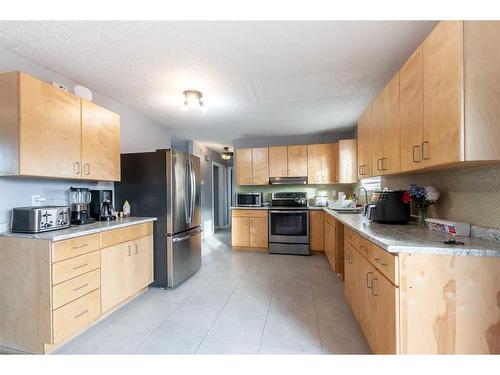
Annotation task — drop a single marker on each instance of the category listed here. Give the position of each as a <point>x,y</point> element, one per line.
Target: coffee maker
<point>101,206</point>
<point>79,199</point>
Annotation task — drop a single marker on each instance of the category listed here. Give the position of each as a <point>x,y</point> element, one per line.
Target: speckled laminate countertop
<point>411,238</point>
<point>81,230</point>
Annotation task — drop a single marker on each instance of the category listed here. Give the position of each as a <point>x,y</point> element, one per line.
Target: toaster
<point>388,207</point>
<point>39,219</point>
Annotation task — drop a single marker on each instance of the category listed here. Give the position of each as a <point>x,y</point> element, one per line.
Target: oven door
<point>289,226</point>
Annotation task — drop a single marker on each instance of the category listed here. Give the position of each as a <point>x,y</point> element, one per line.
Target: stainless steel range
<point>289,224</point>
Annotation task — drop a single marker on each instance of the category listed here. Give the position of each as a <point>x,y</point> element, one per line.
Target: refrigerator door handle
<point>193,190</point>
<point>187,209</point>
<point>185,238</point>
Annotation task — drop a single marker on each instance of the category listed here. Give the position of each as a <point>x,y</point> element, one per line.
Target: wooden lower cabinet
<point>351,279</point>
<point>142,264</point>
<point>330,243</point>
<point>249,229</point>
<point>316,230</point>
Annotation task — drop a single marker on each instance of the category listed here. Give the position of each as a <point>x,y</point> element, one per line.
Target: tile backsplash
<point>468,195</point>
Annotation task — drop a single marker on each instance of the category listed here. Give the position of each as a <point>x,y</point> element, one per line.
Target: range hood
<point>288,180</point>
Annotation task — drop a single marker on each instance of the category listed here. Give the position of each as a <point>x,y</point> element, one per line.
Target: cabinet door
<point>260,166</point>
<point>244,166</point>
<point>297,161</point>
<point>116,262</point>
<point>321,164</point>
<point>366,300</point>
<point>351,279</point>
<point>50,130</point>
<point>316,230</point>
<point>385,315</point>
<point>391,162</point>
<point>330,244</point>
<point>442,85</point>
<point>142,263</point>
<point>377,133</point>
<point>258,232</point>
<point>240,231</point>
<point>348,160</point>
<point>100,143</point>
<point>278,161</point>
<point>411,111</point>
<point>365,144</point>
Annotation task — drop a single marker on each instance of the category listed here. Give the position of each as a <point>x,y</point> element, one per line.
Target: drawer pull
<point>379,261</point>
<point>79,247</point>
<point>80,266</point>
<point>80,287</point>
<point>136,249</point>
<point>368,284</point>
<point>373,287</point>
<point>129,250</point>
<point>82,313</point>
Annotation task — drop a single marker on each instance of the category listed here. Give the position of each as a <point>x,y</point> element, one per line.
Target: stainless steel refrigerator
<point>166,184</point>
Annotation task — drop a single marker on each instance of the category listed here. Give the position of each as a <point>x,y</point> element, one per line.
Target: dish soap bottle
<point>126,209</point>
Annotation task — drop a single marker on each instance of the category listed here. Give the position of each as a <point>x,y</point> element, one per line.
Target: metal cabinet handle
<point>82,313</point>
<point>367,282</point>
<point>80,287</point>
<point>79,247</point>
<point>76,167</point>
<point>379,261</point>
<point>86,169</point>
<point>136,249</point>
<point>129,250</point>
<point>413,154</point>
<point>360,170</point>
<point>378,165</point>
<point>373,287</point>
<point>80,266</point>
<point>384,169</point>
<point>423,150</point>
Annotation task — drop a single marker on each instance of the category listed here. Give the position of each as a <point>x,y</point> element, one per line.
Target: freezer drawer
<point>183,256</point>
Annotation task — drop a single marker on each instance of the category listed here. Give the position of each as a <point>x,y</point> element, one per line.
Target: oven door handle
<point>288,212</point>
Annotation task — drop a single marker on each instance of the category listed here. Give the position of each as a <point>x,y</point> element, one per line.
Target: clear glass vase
<point>422,215</point>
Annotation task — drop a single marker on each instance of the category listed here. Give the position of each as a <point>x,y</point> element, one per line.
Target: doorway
<point>218,196</point>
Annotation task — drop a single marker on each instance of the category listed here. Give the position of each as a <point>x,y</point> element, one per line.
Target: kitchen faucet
<point>366,198</point>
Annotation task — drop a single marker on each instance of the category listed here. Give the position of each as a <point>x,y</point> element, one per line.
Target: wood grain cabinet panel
<point>316,230</point>
<point>278,161</point>
<point>411,112</point>
<point>244,166</point>
<point>443,95</point>
<point>73,247</point>
<point>100,143</point>
<point>142,264</point>
<point>73,267</point>
<point>240,231</point>
<point>116,262</point>
<point>260,166</point>
<point>365,144</point>
<point>330,244</point>
<point>321,164</point>
<point>50,130</point>
<point>75,288</point>
<point>258,232</point>
<point>347,161</point>
<point>377,133</point>
<point>391,162</point>
<point>297,161</point>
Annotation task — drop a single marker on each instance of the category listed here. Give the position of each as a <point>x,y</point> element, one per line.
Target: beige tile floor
<point>238,303</point>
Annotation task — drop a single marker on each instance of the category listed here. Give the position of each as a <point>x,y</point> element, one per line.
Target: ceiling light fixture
<point>193,97</point>
<point>226,154</point>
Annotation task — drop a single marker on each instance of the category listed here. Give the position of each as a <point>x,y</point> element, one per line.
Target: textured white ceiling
<point>258,78</point>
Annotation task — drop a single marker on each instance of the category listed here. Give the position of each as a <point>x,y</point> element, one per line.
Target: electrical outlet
<point>35,200</point>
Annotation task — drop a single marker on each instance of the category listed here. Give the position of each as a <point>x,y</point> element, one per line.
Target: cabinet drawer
<point>364,247</point>
<point>352,237</point>
<point>75,288</point>
<point>330,219</point>
<point>116,236</point>
<point>385,262</point>
<point>249,213</point>
<point>73,267</point>
<point>73,247</point>
<point>76,315</point>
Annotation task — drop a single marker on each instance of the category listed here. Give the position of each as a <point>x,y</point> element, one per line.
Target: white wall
<point>138,133</point>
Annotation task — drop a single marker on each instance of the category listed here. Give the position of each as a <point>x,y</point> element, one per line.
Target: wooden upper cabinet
<point>442,94</point>
<point>348,160</point>
<point>100,143</point>
<point>365,144</point>
<point>260,166</point>
<point>297,161</point>
<point>411,112</point>
<point>278,161</point>
<point>49,130</point>
<point>321,164</point>
<point>377,134</point>
<point>252,167</point>
<point>244,166</point>
<point>392,128</point>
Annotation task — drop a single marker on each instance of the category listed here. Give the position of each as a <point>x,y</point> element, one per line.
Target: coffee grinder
<point>79,199</point>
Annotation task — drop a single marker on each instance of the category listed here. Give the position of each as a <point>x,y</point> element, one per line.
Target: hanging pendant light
<point>193,98</point>
<point>226,154</point>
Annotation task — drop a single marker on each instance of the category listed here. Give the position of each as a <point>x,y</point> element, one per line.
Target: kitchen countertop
<point>411,238</point>
<point>251,208</point>
<point>81,230</point>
